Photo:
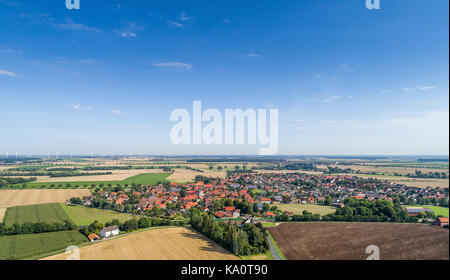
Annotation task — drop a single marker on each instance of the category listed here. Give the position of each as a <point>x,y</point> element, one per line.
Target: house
<point>86,200</point>
<point>442,221</point>
<point>93,237</point>
<point>109,231</point>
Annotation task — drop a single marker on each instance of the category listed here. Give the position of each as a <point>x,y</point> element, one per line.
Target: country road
<point>273,251</point>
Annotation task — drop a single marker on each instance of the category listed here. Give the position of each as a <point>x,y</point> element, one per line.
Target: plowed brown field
<point>348,241</point>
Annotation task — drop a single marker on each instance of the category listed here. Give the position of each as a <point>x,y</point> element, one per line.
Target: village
<point>245,197</point>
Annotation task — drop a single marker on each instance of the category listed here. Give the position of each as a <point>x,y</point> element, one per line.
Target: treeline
<point>242,241</point>
<point>420,174</point>
<point>4,181</point>
<point>130,225</point>
<point>358,211</point>
<point>292,166</point>
<point>40,227</point>
<point>71,174</point>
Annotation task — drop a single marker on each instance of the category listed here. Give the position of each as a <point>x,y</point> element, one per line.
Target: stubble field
<point>9,198</point>
<point>176,243</point>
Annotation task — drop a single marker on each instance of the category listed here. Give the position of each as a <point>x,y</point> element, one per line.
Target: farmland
<point>51,212</point>
<point>348,241</point>
<point>185,175</point>
<point>9,198</point>
<point>144,179</point>
<point>82,215</point>
<point>34,245</point>
<point>2,214</point>
<point>438,210</point>
<point>175,243</point>
<point>297,209</point>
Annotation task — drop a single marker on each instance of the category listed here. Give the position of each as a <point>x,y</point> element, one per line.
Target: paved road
<point>273,251</point>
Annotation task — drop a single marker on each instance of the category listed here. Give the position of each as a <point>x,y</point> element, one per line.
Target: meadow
<point>82,215</point>
<point>35,245</point>
<point>52,212</point>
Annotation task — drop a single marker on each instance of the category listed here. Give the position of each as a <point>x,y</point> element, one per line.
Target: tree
<point>75,201</point>
<point>328,200</point>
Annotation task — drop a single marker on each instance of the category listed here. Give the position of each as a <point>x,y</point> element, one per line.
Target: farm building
<point>109,231</point>
<point>416,211</point>
<point>442,221</point>
<point>93,237</point>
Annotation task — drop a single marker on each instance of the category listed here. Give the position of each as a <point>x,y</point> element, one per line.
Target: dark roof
<point>111,228</point>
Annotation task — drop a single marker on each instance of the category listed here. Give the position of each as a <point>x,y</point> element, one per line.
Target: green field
<point>52,212</point>
<point>298,209</point>
<point>438,210</point>
<point>144,179</point>
<point>34,245</point>
<point>82,215</point>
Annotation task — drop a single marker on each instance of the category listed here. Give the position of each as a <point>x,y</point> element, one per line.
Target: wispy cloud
<point>177,65</point>
<point>77,61</point>
<point>129,30</point>
<point>330,99</point>
<point>184,17</point>
<point>323,78</point>
<point>78,107</point>
<point>117,112</point>
<point>8,73</point>
<point>422,88</point>
<point>350,67</point>
<point>174,23</point>
<point>70,25</point>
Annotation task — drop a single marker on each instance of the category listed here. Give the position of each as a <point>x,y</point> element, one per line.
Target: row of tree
<point>40,227</point>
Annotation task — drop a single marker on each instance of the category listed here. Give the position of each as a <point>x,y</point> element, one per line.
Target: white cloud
<point>184,17</point>
<point>332,98</point>
<point>177,65</point>
<point>129,30</point>
<point>350,67</point>
<point>79,61</point>
<point>8,73</point>
<point>78,107</point>
<point>423,88</point>
<point>117,112</point>
<point>70,25</point>
<point>174,23</point>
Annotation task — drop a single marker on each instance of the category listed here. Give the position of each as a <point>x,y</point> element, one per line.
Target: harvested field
<point>2,214</point>
<point>413,182</point>
<point>348,241</point>
<point>287,171</point>
<point>117,175</point>
<point>298,209</point>
<point>184,175</point>
<point>176,243</point>
<point>9,198</point>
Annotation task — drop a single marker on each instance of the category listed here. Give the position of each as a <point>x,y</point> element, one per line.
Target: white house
<point>109,231</point>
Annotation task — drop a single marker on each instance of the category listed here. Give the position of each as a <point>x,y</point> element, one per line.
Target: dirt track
<point>348,241</point>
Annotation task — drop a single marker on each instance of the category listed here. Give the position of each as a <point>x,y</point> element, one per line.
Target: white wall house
<point>109,231</point>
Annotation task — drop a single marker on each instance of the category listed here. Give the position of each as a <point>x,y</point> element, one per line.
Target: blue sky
<point>104,79</point>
